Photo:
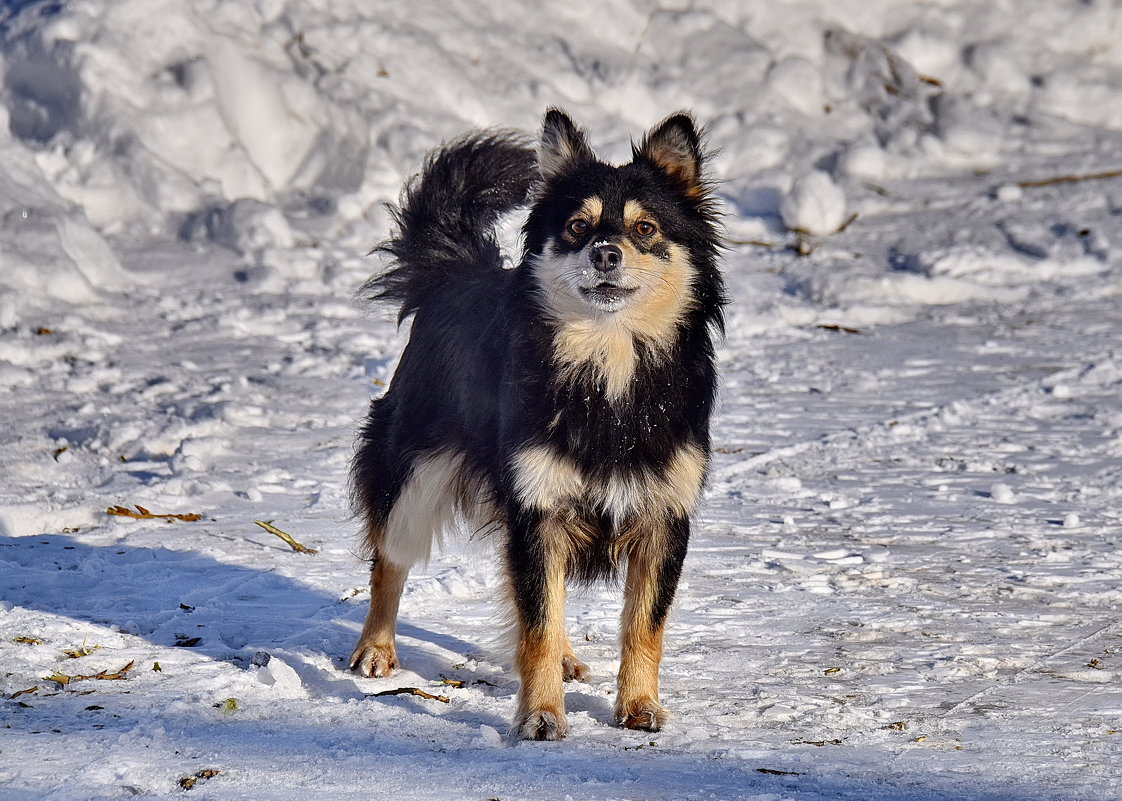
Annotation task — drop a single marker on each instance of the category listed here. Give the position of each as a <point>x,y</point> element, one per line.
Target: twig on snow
<point>417,691</point>
<point>292,543</point>
<point>1070,179</point>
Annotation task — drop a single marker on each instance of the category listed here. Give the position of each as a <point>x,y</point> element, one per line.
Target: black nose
<point>606,258</point>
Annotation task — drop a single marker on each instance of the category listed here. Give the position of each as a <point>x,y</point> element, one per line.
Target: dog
<point>564,402</point>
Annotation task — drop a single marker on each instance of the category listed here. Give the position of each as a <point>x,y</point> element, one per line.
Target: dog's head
<point>629,247</point>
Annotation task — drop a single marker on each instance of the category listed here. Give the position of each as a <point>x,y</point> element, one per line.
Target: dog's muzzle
<point>604,285</point>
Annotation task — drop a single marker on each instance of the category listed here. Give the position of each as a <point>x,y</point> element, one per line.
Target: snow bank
<point>151,117</point>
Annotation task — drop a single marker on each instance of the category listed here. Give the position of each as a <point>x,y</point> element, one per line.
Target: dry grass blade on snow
<point>143,514</point>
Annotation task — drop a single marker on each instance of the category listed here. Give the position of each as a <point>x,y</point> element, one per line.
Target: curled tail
<point>447,217</point>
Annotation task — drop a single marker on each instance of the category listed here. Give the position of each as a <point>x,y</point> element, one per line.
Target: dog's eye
<point>578,227</point>
<point>645,228</point>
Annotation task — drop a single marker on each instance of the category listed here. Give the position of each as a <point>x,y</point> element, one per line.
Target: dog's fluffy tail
<point>447,217</point>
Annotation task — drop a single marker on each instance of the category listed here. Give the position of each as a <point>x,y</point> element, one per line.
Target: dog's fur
<point>564,402</point>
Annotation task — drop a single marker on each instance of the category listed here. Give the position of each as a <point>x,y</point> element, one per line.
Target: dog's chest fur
<point>636,451</point>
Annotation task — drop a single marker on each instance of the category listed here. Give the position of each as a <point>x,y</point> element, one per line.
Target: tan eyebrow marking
<point>633,212</point>
<point>591,210</point>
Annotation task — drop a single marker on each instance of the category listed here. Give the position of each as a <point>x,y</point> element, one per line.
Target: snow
<point>904,582</point>
<point>815,205</point>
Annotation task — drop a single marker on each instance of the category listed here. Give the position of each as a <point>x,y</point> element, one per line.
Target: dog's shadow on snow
<point>224,612</point>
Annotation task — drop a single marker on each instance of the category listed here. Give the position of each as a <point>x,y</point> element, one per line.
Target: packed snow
<point>906,578</point>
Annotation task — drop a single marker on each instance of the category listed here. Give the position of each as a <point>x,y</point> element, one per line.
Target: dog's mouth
<point>607,294</point>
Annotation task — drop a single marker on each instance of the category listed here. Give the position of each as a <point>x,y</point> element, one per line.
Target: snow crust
<point>905,580</point>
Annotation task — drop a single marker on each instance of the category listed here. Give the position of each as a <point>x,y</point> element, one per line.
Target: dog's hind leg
<point>375,654</point>
<point>419,508</point>
<point>572,669</point>
<point>654,564</point>
<point>378,473</point>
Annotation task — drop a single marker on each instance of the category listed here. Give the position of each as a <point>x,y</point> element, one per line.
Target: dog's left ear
<point>674,147</point>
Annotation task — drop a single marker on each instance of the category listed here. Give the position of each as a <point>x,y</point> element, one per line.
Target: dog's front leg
<point>654,564</point>
<point>536,565</point>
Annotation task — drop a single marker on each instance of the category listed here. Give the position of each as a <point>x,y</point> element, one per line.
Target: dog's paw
<point>643,714</point>
<point>373,661</point>
<point>541,724</point>
<point>572,669</point>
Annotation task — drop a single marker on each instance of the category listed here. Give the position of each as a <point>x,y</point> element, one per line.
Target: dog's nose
<point>606,258</point>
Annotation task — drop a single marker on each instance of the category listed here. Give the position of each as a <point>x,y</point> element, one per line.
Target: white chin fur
<point>606,305</point>
<point>606,302</point>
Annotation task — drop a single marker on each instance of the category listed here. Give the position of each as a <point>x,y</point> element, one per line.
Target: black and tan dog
<point>565,402</point>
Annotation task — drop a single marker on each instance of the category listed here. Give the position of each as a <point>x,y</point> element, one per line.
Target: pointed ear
<point>563,145</point>
<point>674,147</point>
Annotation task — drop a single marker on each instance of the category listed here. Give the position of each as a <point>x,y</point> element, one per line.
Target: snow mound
<point>815,205</point>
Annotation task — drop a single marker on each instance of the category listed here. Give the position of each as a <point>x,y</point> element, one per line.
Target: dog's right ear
<point>563,145</point>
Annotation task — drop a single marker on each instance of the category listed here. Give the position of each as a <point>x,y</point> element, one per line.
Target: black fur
<point>480,376</point>
<point>448,272</point>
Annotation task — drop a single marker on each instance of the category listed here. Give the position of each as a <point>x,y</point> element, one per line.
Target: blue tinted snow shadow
<point>172,597</point>
<point>165,595</point>
<point>400,757</point>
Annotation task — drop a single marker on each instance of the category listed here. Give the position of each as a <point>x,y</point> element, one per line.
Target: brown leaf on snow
<point>188,782</point>
<point>103,675</point>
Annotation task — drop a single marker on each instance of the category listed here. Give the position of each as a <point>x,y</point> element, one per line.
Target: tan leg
<point>637,704</point>
<point>537,563</point>
<point>541,699</point>
<point>375,653</point>
<point>653,567</point>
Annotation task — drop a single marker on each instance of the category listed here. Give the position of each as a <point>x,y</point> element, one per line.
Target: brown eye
<point>577,227</point>
<point>645,228</point>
